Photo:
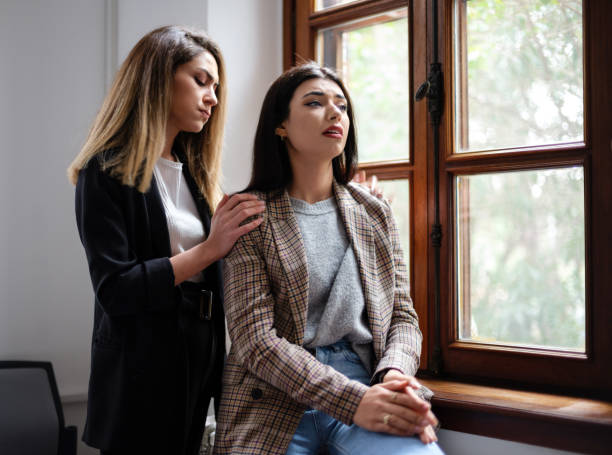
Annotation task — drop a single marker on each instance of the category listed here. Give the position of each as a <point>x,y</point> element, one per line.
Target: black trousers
<point>186,437</point>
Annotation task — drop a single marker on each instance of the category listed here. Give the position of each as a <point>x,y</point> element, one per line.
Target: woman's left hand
<point>370,183</point>
<point>428,435</point>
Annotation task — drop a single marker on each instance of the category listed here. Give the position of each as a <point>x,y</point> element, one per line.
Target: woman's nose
<point>334,112</point>
<point>210,97</point>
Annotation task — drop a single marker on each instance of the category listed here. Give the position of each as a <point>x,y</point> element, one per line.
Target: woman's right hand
<point>225,229</point>
<point>225,226</point>
<point>387,408</point>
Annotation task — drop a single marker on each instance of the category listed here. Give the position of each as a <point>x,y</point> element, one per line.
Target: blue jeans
<point>318,430</point>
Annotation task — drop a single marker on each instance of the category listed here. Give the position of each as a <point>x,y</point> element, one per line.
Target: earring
<point>280,133</point>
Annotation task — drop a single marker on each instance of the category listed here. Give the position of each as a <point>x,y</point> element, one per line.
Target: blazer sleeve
<point>250,307</point>
<point>403,347</point>
<point>124,284</point>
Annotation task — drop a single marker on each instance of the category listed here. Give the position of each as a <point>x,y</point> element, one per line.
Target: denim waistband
<point>337,346</point>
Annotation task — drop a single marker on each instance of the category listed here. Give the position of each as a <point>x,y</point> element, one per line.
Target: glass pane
<point>376,75</point>
<point>397,193</point>
<point>519,67</point>
<point>521,258</point>
<point>324,4</point>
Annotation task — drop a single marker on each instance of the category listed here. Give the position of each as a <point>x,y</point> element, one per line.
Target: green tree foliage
<point>397,193</point>
<point>525,81</point>
<point>526,229</point>
<point>527,257</point>
<point>376,72</point>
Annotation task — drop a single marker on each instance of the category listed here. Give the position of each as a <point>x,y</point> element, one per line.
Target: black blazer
<point>138,378</point>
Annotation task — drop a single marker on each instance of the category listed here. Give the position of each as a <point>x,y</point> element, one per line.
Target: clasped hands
<point>393,407</point>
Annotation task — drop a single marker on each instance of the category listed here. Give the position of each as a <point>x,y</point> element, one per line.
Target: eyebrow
<point>208,74</point>
<point>317,93</point>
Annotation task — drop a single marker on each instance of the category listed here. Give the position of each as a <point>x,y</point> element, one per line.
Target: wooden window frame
<point>587,374</point>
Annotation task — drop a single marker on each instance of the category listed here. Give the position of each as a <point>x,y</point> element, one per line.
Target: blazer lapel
<point>292,255</point>
<point>160,237</point>
<point>359,230</point>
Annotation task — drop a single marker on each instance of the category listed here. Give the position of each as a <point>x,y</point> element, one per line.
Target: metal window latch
<point>206,302</point>
<point>422,91</point>
<point>432,89</point>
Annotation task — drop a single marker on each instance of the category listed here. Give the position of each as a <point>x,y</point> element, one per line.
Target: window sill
<point>555,421</point>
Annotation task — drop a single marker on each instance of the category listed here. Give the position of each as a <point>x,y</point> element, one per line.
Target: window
<point>519,73</point>
<point>378,77</point>
<point>525,156</point>
<point>520,235</point>
<point>517,179</point>
<point>520,258</point>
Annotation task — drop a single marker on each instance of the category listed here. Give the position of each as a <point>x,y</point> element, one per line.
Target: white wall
<point>51,84</point>
<point>250,34</point>
<point>135,18</point>
<point>456,443</point>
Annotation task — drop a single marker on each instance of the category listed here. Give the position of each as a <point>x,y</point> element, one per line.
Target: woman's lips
<point>335,132</point>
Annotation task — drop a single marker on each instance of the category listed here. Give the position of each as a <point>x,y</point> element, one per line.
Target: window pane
<point>324,4</point>
<point>519,67</point>
<point>371,55</point>
<point>521,258</point>
<point>397,193</point>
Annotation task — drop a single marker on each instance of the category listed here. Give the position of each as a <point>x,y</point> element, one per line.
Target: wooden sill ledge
<point>561,422</point>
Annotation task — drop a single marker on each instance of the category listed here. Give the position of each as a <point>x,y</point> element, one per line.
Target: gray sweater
<point>336,305</point>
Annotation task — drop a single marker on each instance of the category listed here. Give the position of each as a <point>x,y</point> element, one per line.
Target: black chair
<point>31,415</point>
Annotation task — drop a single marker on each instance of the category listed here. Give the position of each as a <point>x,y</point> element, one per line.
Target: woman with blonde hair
<point>325,339</point>
<point>147,182</point>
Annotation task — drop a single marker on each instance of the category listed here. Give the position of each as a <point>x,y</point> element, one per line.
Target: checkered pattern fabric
<point>270,379</point>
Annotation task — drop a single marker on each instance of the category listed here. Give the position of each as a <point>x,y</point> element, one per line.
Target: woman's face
<point>193,94</point>
<point>318,122</point>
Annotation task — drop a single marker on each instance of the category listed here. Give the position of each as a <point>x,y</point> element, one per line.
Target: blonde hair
<point>131,123</point>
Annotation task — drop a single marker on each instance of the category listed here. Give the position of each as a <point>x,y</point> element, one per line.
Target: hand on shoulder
<point>226,224</point>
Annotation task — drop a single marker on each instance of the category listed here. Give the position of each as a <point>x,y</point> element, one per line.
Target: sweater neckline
<point>318,208</point>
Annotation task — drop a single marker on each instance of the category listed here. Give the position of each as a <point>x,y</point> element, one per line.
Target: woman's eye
<point>343,107</point>
<point>313,103</point>
<point>199,82</point>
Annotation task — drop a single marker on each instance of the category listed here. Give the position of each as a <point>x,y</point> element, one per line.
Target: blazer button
<point>256,394</point>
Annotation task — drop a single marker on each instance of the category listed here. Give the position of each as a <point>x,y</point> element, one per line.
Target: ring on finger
<point>394,397</point>
<point>386,419</point>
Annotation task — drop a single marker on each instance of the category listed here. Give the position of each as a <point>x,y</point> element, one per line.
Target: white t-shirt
<point>184,223</point>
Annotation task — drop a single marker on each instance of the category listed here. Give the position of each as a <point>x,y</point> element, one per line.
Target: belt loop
<point>206,300</point>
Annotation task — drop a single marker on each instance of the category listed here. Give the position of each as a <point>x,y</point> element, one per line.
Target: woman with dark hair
<point>325,339</point>
<point>147,182</point>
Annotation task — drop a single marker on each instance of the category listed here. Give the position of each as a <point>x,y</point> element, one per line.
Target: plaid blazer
<point>270,379</point>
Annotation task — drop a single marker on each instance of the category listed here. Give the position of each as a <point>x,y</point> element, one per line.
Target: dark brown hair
<point>271,166</point>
